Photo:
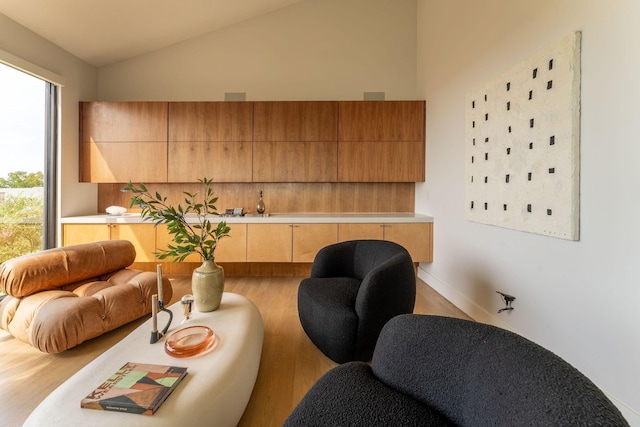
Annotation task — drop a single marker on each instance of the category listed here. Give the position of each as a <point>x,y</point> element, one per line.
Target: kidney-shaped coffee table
<point>215,391</point>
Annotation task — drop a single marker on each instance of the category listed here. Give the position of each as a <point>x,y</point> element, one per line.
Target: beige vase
<point>207,286</point>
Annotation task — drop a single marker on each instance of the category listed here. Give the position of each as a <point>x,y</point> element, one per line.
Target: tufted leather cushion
<point>99,295</point>
<point>53,268</point>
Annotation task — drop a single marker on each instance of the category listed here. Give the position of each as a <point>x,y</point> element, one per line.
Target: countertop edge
<point>305,218</point>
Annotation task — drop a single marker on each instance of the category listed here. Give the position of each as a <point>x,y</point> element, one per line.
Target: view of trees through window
<point>22,144</point>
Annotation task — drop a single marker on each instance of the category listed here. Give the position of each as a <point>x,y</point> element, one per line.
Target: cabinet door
<point>123,121</point>
<point>349,231</point>
<point>381,120</point>
<point>295,141</point>
<point>417,238</point>
<point>269,242</point>
<point>123,141</point>
<point>230,249</point>
<point>308,239</point>
<point>163,238</point>
<point>222,161</point>
<point>142,236</point>
<point>234,247</point>
<point>295,162</point>
<point>381,161</point>
<point>210,139</point>
<point>121,162</point>
<point>73,234</point>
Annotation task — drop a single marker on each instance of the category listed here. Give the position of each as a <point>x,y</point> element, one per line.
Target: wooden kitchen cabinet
<point>288,242</point>
<point>210,139</point>
<point>123,141</point>
<point>229,249</point>
<point>269,242</point>
<point>142,236</point>
<point>295,141</point>
<point>73,234</point>
<point>381,141</point>
<point>358,231</point>
<point>308,239</point>
<point>417,238</point>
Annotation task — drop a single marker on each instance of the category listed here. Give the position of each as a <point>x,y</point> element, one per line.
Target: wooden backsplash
<point>283,197</point>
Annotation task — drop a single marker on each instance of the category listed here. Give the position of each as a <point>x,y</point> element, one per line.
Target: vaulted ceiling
<point>102,32</point>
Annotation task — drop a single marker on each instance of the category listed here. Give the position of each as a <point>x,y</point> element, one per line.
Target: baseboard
<point>479,314</point>
<point>469,307</point>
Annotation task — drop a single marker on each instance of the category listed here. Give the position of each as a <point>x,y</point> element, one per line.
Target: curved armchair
<point>441,371</point>
<point>354,289</point>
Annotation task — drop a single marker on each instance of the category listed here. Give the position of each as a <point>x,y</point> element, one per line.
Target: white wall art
<point>523,145</point>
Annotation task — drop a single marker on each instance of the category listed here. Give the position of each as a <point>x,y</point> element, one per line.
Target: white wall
<point>579,299</point>
<point>80,81</point>
<point>314,50</point>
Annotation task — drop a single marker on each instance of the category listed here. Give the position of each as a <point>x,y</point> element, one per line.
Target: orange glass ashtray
<point>189,341</point>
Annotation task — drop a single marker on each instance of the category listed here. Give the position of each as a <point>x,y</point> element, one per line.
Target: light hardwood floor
<point>290,363</point>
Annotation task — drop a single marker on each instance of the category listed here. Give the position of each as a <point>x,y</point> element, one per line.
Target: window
<point>28,134</point>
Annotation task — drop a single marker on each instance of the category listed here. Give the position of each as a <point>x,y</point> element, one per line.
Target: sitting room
<point>321,122</point>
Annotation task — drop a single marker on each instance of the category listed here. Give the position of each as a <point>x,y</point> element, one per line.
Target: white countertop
<point>272,218</point>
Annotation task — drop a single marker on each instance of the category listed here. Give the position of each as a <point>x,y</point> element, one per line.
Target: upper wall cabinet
<point>381,141</point>
<point>271,141</point>
<point>123,141</point>
<point>210,139</point>
<point>295,141</point>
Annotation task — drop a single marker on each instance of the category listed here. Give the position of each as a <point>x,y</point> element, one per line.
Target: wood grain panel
<point>381,120</point>
<point>269,242</point>
<point>229,249</point>
<point>123,121</point>
<point>296,121</point>
<point>308,239</point>
<point>142,236</point>
<point>73,234</point>
<point>381,161</point>
<point>210,121</point>
<point>295,161</point>
<point>222,161</point>
<point>416,238</point>
<point>284,197</point>
<point>351,231</point>
<point>123,162</point>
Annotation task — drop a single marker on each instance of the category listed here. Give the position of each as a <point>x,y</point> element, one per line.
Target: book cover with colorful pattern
<point>137,388</point>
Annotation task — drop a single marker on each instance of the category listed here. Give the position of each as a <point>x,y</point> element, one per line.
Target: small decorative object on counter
<point>187,306</point>
<point>260,208</point>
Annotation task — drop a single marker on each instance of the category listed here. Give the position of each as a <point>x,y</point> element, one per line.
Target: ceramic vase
<point>207,286</point>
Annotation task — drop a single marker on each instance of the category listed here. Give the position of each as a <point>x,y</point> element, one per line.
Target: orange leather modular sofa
<point>58,298</point>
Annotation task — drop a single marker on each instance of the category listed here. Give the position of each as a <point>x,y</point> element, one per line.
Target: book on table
<point>138,388</point>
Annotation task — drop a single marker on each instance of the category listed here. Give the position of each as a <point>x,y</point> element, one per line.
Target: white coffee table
<point>215,391</point>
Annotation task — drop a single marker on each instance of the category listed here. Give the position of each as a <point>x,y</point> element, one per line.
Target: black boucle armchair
<point>354,289</point>
<point>437,371</point>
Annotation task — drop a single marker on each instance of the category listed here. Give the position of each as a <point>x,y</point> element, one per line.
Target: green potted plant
<point>192,232</point>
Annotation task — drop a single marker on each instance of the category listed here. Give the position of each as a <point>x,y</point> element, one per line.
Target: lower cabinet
<point>142,236</point>
<point>229,249</point>
<point>417,238</point>
<point>269,242</point>
<point>260,242</point>
<point>288,242</point>
<point>308,239</point>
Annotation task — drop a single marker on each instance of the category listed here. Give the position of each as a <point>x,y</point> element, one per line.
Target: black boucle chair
<point>354,289</point>
<point>436,371</point>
